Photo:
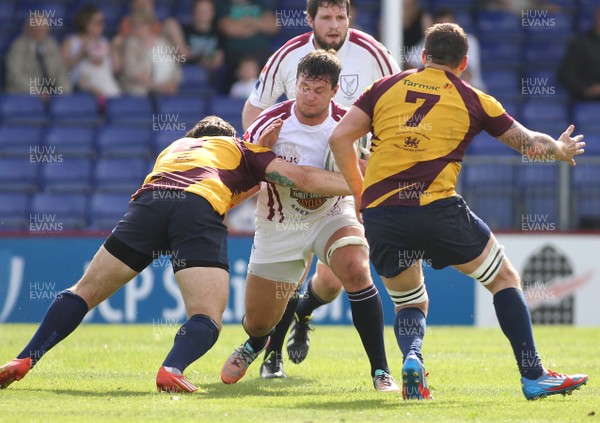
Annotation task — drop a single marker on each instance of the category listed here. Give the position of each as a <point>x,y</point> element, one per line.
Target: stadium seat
<point>71,176</point>
<point>545,115</point>
<point>226,107</point>
<point>587,211</point>
<point>17,141</point>
<point>499,25</point>
<point>120,175</point>
<point>484,144</point>
<point>503,83</point>
<point>467,5</point>
<point>586,116</point>
<point>79,109</point>
<point>18,175</point>
<point>543,83</point>
<point>536,176</point>
<point>479,175</point>
<point>585,176</point>
<point>177,113</point>
<point>540,207</point>
<point>14,211</point>
<point>195,81</point>
<point>22,109</point>
<point>129,110</point>
<point>58,212</point>
<point>545,25</point>
<point>71,141</point>
<point>540,53</point>
<point>107,209</point>
<point>497,208</point>
<point>162,139</point>
<point>592,143</point>
<point>7,11</point>
<point>122,141</point>
<point>500,54</point>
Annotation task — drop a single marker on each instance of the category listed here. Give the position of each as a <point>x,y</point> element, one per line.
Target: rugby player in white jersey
<point>364,60</point>
<point>291,225</point>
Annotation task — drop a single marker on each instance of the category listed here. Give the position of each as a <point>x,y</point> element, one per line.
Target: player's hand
<point>571,146</point>
<point>270,134</point>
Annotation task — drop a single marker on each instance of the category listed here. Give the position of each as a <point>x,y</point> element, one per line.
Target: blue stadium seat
<point>107,209</point>
<point>177,113</point>
<point>58,212</point>
<point>453,4</point>
<point>19,140</point>
<point>536,176</point>
<point>120,175</point>
<point>587,211</point>
<point>226,107</point>
<point>543,83</point>
<point>503,83</point>
<point>543,54</point>
<point>592,143</point>
<point>129,110</point>
<point>545,25</point>
<point>162,139</point>
<point>195,81</point>
<point>585,176</point>
<point>484,144</point>
<point>71,176</point>
<point>496,208</point>
<point>7,11</point>
<point>18,175</point>
<point>541,206</point>
<point>14,211</point>
<point>586,116</point>
<point>501,25</point>
<point>71,141</point>
<point>500,54</point>
<point>544,115</point>
<point>22,109</point>
<point>79,109</point>
<point>122,141</point>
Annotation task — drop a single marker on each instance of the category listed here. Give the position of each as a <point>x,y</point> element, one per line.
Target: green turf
<point>106,373</point>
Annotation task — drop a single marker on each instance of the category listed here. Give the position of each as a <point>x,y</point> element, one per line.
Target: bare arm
<point>353,125</point>
<point>243,196</point>
<point>306,178</point>
<point>543,147</point>
<point>249,114</point>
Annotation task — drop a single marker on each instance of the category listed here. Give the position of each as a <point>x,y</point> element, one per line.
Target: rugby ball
<point>362,146</point>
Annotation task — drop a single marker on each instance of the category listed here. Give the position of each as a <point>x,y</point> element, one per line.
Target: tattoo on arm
<point>277,178</point>
<point>528,143</point>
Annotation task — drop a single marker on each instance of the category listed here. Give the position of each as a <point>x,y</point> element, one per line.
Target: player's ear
<point>310,21</point>
<point>463,63</point>
<point>424,57</point>
<point>335,90</point>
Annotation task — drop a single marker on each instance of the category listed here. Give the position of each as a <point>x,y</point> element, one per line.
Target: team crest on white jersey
<point>307,200</point>
<point>349,84</point>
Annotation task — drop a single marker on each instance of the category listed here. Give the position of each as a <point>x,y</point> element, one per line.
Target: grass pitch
<point>107,373</point>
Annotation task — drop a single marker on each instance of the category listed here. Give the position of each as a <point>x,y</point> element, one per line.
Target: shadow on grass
<point>256,387</point>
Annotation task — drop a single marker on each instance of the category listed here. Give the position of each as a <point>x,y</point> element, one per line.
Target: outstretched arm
<point>306,178</point>
<point>540,146</point>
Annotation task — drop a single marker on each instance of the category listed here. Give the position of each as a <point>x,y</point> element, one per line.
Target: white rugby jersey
<point>299,144</point>
<point>364,60</point>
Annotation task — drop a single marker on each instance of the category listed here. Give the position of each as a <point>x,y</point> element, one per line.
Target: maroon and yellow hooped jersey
<point>422,122</point>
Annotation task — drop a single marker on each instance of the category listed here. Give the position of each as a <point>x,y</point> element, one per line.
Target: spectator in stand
<point>203,41</point>
<point>247,28</point>
<point>580,68</point>
<point>472,74</point>
<point>169,28</point>
<point>33,63</point>
<point>88,55</point>
<point>247,73</point>
<point>414,22</point>
<point>149,63</point>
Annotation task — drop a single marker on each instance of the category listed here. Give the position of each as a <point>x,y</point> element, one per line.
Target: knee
<point>506,278</point>
<point>327,287</point>
<point>354,275</point>
<point>257,328</point>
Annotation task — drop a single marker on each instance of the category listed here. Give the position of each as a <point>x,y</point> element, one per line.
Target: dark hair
<point>313,5</point>
<point>446,44</point>
<point>211,126</point>
<point>83,17</point>
<point>320,64</point>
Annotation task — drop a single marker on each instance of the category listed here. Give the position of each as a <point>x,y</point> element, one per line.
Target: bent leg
<point>511,310</point>
<point>102,278</point>
<point>350,264</point>
<point>205,291</point>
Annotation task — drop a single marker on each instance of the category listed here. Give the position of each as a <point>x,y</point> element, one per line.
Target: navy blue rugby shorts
<point>443,233</point>
<point>180,224</point>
